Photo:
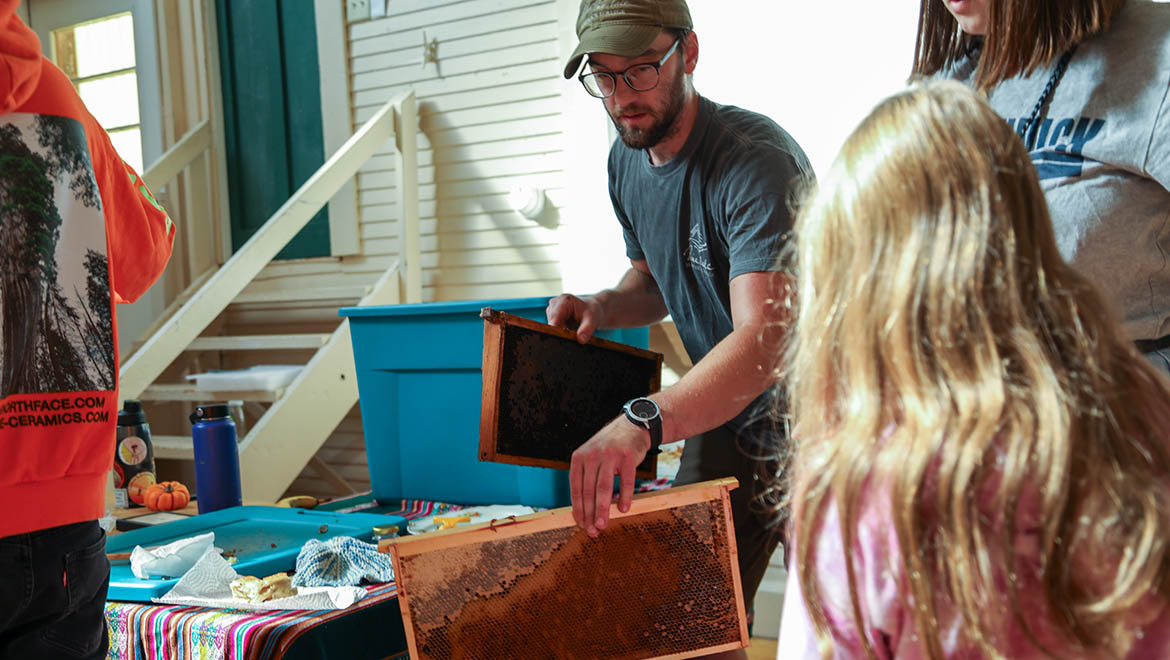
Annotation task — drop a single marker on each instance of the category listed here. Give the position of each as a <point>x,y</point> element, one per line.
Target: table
<point>371,629</point>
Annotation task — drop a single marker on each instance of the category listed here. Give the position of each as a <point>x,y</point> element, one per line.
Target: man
<point>704,195</point>
<point>80,232</point>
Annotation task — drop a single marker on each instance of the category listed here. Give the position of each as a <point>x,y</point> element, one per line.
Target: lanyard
<point>1025,129</point>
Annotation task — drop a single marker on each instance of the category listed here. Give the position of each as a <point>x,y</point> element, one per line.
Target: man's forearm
<point>737,370</point>
<point>636,301</point>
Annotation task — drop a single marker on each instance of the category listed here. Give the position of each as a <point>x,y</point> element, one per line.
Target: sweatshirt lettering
<point>1057,145</point>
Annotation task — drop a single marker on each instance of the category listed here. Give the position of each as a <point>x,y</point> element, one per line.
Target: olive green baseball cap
<point>625,28</point>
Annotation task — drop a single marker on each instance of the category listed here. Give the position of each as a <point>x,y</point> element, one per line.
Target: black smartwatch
<point>645,413</point>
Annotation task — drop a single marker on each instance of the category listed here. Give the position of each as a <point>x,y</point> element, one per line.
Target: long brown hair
<point>1022,35</point>
<point>945,357</point>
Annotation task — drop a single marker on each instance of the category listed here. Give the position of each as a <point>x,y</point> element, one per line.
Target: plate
<point>477,514</point>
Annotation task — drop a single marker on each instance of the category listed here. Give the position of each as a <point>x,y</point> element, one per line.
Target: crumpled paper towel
<point>208,584</point>
<point>108,522</point>
<point>341,561</point>
<point>170,560</point>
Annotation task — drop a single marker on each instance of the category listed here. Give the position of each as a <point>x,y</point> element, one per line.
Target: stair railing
<point>394,119</point>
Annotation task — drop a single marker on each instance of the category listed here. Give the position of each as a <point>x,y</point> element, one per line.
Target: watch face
<point>644,409</point>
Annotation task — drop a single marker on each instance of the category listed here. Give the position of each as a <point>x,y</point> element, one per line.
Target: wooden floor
<point>762,649</point>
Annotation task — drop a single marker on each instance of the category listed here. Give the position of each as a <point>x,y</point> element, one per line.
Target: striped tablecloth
<point>140,631</point>
<point>169,631</point>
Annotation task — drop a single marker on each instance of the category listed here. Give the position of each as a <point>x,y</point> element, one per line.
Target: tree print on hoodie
<point>54,275</point>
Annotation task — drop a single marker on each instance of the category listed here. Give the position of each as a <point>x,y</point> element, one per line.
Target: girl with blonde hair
<point>980,465</point>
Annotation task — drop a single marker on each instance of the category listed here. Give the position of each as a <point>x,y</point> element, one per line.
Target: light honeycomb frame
<point>662,581</point>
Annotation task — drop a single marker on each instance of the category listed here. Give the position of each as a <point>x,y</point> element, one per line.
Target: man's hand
<point>616,449</point>
<point>584,315</point>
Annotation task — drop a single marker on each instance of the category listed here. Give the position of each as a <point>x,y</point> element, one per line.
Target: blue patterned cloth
<point>342,561</point>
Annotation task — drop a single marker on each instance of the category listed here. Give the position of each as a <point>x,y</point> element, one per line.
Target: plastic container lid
<point>207,413</point>
<point>260,377</point>
<point>131,413</point>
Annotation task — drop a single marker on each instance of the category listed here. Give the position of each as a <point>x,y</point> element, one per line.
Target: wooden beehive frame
<point>402,548</point>
<point>496,325</point>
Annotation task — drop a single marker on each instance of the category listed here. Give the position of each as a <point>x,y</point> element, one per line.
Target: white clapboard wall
<point>491,118</point>
<point>490,115</point>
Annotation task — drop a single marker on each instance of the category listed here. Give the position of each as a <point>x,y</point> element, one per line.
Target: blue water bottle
<point>217,458</point>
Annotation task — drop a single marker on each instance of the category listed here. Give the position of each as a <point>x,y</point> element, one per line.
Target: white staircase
<point>298,418</point>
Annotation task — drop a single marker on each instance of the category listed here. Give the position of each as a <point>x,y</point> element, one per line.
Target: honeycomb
<point>556,393</point>
<point>653,584</point>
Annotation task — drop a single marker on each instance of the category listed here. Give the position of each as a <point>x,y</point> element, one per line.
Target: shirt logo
<point>697,254</point>
<point>1056,146</point>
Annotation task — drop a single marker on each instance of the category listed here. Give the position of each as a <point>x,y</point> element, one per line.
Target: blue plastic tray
<point>264,540</point>
<point>420,383</point>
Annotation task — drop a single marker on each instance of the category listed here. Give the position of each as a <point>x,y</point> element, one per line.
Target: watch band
<point>655,428</point>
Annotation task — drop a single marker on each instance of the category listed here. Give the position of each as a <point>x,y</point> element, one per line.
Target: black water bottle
<point>133,456</point>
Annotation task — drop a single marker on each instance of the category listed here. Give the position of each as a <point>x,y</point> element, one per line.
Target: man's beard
<point>663,127</point>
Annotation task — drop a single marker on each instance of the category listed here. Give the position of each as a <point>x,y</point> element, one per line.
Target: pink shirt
<point>887,625</point>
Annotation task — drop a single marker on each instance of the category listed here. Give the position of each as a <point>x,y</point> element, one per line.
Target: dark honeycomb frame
<point>545,394</point>
<point>661,581</point>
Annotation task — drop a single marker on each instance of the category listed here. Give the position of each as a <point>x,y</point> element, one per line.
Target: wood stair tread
<point>356,292</point>
<point>259,342</point>
<point>173,446</point>
<point>188,392</point>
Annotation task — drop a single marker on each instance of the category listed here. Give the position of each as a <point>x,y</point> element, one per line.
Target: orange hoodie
<point>80,233</point>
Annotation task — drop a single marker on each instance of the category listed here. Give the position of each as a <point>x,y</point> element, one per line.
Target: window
<point>98,57</point>
<point>822,65</point>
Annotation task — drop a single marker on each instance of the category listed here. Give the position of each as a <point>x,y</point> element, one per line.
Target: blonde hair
<point>943,351</point>
<point>1022,35</point>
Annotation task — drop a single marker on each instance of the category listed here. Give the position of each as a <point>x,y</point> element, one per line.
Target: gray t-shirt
<point>719,209</point>
<point>1102,153</point>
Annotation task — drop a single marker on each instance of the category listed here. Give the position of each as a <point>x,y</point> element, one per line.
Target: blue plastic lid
<point>455,307</point>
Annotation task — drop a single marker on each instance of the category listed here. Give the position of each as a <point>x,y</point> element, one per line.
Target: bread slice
<point>246,588</point>
<point>257,590</point>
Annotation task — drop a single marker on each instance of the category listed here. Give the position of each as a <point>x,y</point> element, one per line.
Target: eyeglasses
<point>640,77</point>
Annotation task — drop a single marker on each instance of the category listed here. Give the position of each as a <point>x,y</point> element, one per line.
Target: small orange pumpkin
<point>167,496</point>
